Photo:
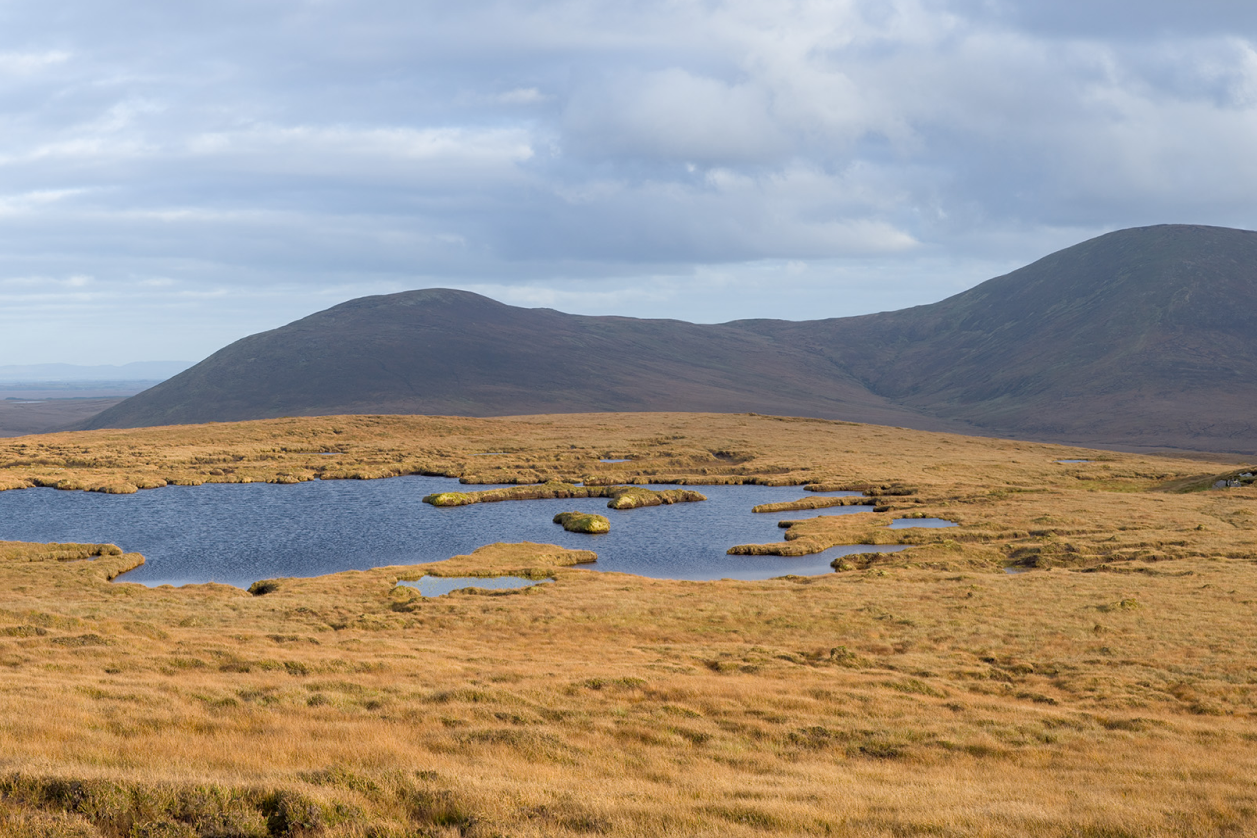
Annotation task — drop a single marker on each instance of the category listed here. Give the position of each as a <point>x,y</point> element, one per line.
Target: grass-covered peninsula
<point>1108,689</point>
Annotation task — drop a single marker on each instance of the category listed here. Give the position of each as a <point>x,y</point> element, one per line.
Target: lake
<point>240,533</point>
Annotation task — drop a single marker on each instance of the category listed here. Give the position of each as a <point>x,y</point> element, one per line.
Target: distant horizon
<point>73,373</point>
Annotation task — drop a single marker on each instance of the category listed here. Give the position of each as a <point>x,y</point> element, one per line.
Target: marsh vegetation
<point>1108,690</point>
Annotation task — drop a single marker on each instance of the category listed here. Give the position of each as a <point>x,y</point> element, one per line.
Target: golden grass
<point>694,448</point>
<point>1110,690</point>
<point>621,497</point>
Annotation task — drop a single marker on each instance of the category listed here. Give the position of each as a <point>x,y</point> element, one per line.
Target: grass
<point>810,503</point>
<point>621,497</point>
<point>583,522</point>
<point>1108,691</point>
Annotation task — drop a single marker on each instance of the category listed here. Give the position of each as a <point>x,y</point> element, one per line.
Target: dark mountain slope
<point>453,352</point>
<point>1139,336</point>
<point>1144,337</point>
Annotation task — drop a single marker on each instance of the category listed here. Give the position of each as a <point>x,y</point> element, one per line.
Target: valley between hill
<point>1107,690</point>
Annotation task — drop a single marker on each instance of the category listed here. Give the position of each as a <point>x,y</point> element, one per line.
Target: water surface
<point>927,523</point>
<point>240,533</point>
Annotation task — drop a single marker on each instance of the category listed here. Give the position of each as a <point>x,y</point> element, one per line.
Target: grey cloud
<point>1121,19</point>
<point>673,115</point>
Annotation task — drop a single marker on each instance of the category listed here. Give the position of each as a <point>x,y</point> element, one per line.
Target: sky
<point>175,176</point>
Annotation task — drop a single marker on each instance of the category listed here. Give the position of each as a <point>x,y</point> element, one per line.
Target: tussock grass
<point>1109,690</point>
<point>686,449</point>
<point>1057,703</point>
<point>810,503</point>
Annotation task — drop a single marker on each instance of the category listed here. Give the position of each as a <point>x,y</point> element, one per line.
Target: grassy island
<point>621,497</point>
<point>1106,688</point>
<point>583,522</point>
<point>812,503</point>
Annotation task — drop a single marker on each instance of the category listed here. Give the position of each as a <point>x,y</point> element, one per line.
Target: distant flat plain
<point>40,407</point>
<point>37,411</point>
<point>1107,690</point>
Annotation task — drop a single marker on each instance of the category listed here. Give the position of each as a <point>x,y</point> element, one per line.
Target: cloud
<point>27,63</point>
<point>267,159</point>
<point>522,96</point>
<point>673,115</point>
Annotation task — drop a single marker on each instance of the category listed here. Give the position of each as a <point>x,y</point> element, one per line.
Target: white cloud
<point>674,115</point>
<point>33,202</point>
<point>464,146</point>
<point>522,96</point>
<point>27,63</point>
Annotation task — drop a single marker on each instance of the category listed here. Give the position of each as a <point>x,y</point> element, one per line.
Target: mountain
<point>1140,337</point>
<point>453,352</point>
<point>1144,336</point>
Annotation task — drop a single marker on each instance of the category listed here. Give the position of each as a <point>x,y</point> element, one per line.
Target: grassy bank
<point>684,448</point>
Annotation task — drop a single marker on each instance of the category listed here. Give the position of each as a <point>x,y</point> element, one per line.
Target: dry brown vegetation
<point>1109,690</point>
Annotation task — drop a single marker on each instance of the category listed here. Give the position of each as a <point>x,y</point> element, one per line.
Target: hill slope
<point>453,352</point>
<point>1138,337</point>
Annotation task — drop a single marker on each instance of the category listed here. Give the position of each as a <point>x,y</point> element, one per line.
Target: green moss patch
<point>583,522</point>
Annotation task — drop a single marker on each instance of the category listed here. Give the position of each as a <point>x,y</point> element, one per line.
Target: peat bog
<point>1104,688</point>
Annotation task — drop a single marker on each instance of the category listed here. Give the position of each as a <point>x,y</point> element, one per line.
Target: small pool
<point>1075,461</point>
<point>239,533</point>
<point>927,523</point>
<point>616,461</point>
<point>441,585</point>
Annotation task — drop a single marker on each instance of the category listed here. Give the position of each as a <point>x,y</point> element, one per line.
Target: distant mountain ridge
<point>1138,337</point>
<point>1141,336</point>
<point>441,351</point>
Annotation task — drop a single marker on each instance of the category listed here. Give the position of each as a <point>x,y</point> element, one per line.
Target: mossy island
<point>583,522</point>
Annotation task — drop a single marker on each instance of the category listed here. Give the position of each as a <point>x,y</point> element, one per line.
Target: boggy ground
<point>661,447</point>
<point>1109,690</point>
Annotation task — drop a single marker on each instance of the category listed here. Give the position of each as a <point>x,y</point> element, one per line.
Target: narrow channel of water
<point>925,523</point>
<point>240,533</point>
<point>431,586</point>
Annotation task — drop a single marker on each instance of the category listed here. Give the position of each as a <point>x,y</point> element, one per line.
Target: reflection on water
<point>240,533</point>
<point>441,585</point>
<point>928,523</point>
